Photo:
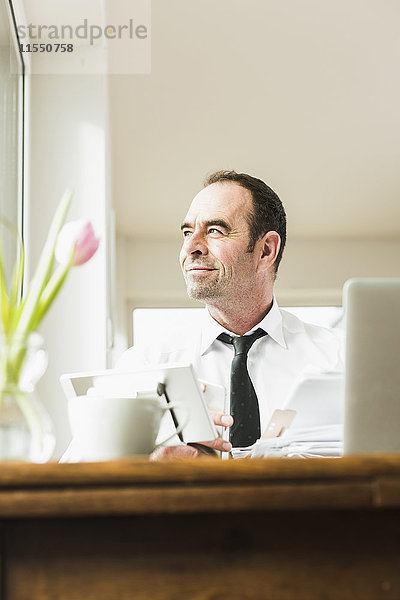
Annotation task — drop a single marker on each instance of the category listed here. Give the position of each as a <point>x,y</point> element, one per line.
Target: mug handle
<point>178,429</point>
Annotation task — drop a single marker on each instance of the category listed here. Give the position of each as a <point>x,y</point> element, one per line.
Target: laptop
<point>372,379</point>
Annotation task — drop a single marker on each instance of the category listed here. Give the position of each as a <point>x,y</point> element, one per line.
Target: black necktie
<point>244,404</point>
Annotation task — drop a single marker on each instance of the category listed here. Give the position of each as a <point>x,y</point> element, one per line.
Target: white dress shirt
<point>276,362</point>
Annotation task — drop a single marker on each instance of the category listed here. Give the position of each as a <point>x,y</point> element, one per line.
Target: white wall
<point>314,271</point>
<point>68,125</point>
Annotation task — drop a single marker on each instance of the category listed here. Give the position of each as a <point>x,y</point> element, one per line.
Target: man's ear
<point>270,245</point>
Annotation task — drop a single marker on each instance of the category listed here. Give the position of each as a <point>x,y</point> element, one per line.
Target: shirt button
<point>250,363</point>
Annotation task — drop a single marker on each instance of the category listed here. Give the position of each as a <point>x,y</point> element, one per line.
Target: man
<point>233,239</point>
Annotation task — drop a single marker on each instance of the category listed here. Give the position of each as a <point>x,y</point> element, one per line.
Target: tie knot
<point>243,343</point>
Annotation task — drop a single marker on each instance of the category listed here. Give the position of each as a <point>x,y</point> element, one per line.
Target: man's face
<point>214,257</point>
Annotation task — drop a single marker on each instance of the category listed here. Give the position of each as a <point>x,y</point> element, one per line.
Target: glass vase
<point>26,430</point>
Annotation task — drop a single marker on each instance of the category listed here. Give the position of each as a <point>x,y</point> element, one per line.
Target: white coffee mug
<point>105,428</point>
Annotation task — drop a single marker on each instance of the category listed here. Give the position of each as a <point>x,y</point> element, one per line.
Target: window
<point>11,131</point>
<point>150,323</point>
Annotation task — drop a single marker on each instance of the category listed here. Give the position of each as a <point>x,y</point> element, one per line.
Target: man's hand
<point>220,419</point>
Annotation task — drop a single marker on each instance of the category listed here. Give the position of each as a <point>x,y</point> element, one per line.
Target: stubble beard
<point>206,290</point>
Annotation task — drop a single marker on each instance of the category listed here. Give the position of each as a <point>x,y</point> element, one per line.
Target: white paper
<point>321,441</point>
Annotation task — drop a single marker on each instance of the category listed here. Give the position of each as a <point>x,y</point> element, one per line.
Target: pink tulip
<point>80,236</point>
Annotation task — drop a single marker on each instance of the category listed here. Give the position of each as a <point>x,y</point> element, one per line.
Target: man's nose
<point>195,244</point>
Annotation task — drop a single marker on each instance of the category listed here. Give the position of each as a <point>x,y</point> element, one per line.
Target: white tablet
<point>182,388</point>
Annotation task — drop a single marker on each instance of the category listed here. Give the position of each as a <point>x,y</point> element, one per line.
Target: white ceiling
<point>302,93</point>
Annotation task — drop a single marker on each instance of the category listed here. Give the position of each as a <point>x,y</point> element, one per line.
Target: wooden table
<point>272,529</point>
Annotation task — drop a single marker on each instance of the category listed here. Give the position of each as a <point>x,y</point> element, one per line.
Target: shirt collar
<point>271,324</point>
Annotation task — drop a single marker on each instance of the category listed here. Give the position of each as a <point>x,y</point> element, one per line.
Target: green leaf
<point>16,285</point>
<point>4,304</point>
<point>28,317</point>
<point>52,289</point>
<point>4,299</point>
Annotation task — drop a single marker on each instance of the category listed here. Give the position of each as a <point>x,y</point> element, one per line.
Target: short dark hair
<point>268,213</point>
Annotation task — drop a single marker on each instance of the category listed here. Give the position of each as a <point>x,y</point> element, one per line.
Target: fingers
<point>165,452</point>
<point>220,418</point>
<point>170,452</point>
<point>219,444</point>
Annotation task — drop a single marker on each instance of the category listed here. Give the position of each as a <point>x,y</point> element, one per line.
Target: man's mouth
<point>199,268</point>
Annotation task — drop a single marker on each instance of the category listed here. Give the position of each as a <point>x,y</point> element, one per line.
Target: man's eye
<point>186,233</point>
<point>214,230</point>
